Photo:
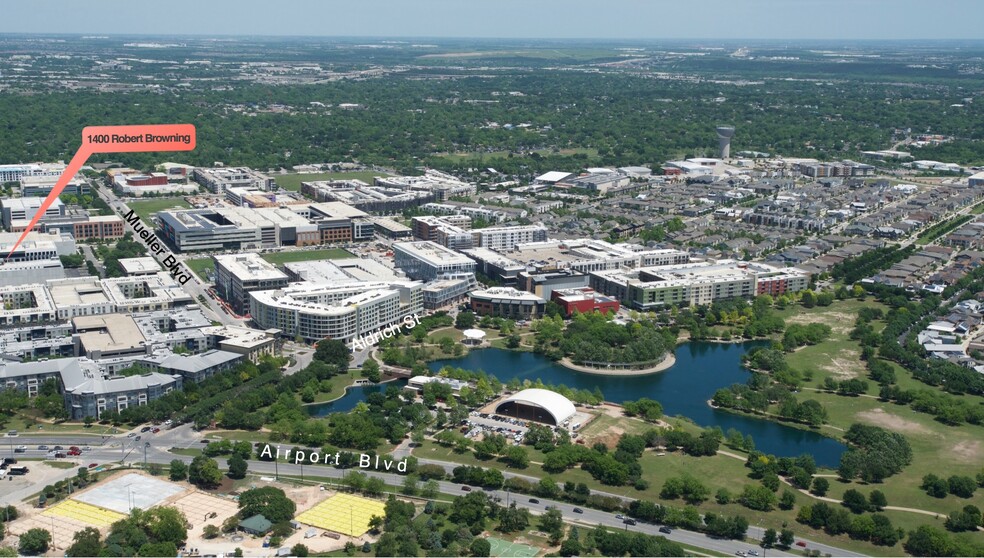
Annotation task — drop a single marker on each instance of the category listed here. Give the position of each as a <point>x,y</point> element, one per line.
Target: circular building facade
<point>539,405</point>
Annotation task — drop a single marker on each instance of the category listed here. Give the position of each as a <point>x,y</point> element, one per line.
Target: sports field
<point>83,513</point>
<point>505,548</point>
<point>343,513</point>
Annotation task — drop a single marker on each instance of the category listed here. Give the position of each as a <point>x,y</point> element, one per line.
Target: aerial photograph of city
<point>505,278</point>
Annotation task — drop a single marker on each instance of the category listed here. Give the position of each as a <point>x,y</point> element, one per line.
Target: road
<point>194,287</point>
<point>124,449</point>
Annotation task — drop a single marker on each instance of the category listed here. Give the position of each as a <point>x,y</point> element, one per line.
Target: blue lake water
<point>699,371</point>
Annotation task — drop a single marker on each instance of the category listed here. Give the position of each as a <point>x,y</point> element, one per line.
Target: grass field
<point>280,258</point>
<point>200,266</point>
<point>937,448</point>
<point>146,208</point>
<point>293,181</point>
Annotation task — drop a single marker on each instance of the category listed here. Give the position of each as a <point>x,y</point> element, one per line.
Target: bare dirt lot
<point>879,417</point>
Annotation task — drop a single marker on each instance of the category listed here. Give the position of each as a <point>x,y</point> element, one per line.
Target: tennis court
<point>343,513</point>
<point>510,549</point>
<point>83,513</point>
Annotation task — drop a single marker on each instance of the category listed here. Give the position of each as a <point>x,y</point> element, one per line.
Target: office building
<point>583,300</point>
<point>427,261</point>
<point>41,185</point>
<point>37,259</point>
<point>218,179</point>
<point>495,266</point>
<point>243,228</point>
<point>145,265</point>
<point>442,186</point>
<point>377,199</point>
<point>24,209</point>
<point>426,227</point>
<point>14,173</point>
<point>506,238</point>
<point>506,302</point>
<point>697,283</point>
<point>236,275</point>
<point>587,255</point>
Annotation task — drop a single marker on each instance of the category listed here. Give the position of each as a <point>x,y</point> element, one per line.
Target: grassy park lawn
<point>293,181</point>
<point>145,208</point>
<point>200,266</point>
<point>937,448</point>
<point>280,258</point>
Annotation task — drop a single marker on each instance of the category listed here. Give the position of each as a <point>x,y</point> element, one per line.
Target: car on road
<point>43,448</point>
<point>800,543</point>
<point>74,452</point>
<point>534,501</point>
<point>57,448</point>
<point>753,553</point>
<point>203,441</point>
<point>619,516</point>
<point>466,489</point>
<point>629,521</point>
<point>59,454</point>
<point>20,449</point>
<point>145,429</point>
<point>578,510</point>
<point>93,465</point>
<point>665,529</point>
<point>86,448</point>
<point>74,448</point>
<point>131,434</point>
<point>739,553</point>
<point>137,439</point>
<point>156,430</point>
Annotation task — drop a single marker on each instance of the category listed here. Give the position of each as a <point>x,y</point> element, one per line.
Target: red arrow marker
<point>115,139</point>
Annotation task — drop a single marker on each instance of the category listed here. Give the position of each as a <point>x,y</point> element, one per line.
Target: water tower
<point>724,140</point>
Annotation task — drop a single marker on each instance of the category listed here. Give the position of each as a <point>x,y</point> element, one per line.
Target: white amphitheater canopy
<point>474,334</point>
<point>556,405</point>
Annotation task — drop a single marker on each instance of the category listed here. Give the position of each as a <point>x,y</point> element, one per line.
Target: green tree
<point>237,467</point>
<point>34,542</point>
<point>820,486</point>
<point>269,501</point>
<point>877,500</point>
<point>786,538</point>
<point>204,472</point>
<point>299,550</point>
<point>480,547</point>
<point>769,538</point>
<point>85,543</point>
<point>179,470</point>
<point>855,501</point>
<point>465,320</point>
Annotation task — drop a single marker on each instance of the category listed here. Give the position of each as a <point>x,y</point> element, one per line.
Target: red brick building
<point>583,300</point>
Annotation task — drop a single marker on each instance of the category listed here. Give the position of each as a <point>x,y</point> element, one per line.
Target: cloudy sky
<point>630,19</point>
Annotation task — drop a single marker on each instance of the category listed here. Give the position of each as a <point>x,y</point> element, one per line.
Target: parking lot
<point>483,423</point>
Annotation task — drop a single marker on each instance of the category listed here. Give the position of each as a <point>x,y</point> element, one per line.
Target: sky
<point>597,19</point>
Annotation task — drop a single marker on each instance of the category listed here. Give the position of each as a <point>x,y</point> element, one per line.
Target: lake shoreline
<point>663,365</point>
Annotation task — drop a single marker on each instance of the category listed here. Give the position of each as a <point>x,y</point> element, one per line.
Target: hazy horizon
<point>720,20</point>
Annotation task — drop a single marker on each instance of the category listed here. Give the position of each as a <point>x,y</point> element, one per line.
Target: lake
<point>701,369</point>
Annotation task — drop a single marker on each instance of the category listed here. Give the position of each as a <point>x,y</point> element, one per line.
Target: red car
<point>800,543</point>
<point>93,465</point>
<point>75,448</point>
<point>156,430</point>
<point>74,452</point>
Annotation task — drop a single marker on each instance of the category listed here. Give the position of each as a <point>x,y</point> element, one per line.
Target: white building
<point>314,311</point>
<point>426,260</point>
